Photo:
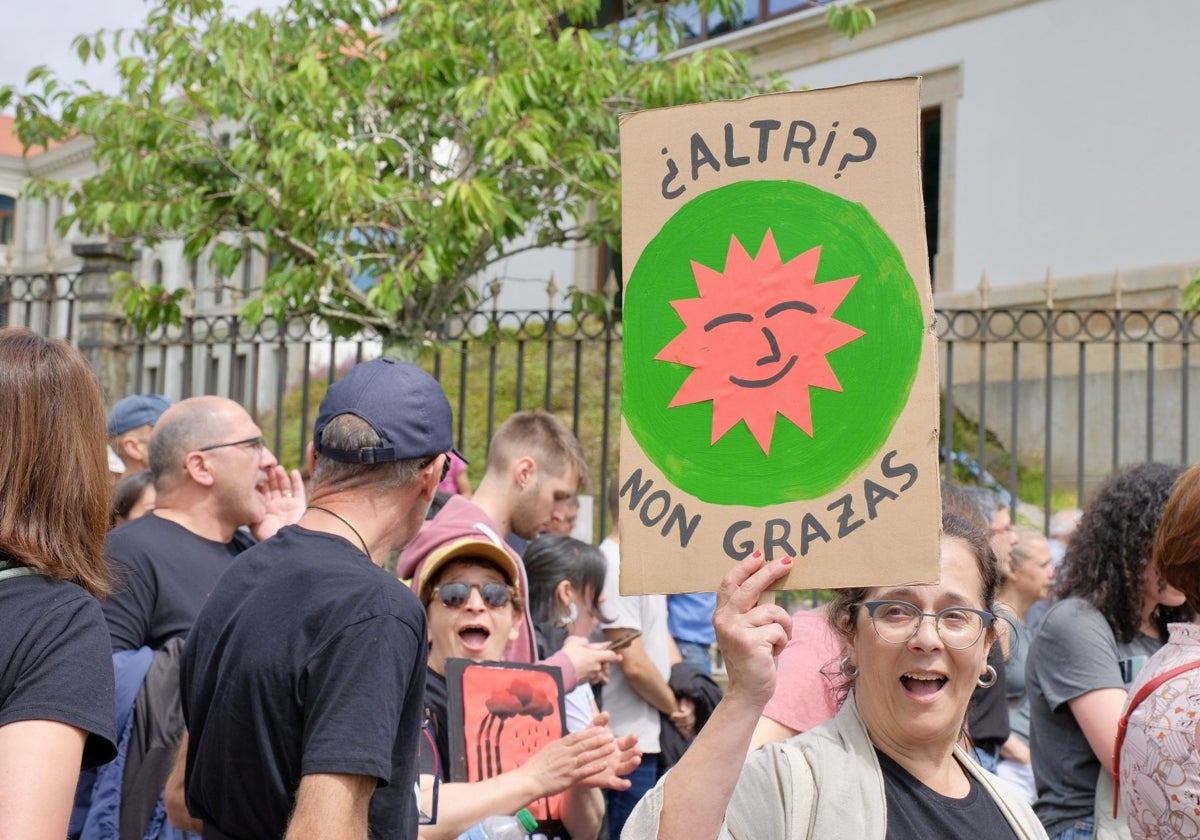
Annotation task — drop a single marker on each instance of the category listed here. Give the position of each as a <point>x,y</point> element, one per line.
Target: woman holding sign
<point>890,763</point>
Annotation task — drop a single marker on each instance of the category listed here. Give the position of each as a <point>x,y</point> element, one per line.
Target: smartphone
<point>623,641</point>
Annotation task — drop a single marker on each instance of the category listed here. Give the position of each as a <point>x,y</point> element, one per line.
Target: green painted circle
<point>876,371</point>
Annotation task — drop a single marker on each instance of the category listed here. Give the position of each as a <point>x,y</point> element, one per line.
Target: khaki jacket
<point>825,783</point>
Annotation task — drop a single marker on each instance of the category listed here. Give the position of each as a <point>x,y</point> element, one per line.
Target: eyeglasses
<point>494,595</point>
<point>256,443</point>
<point>445,466</point>
<point>897,622</point>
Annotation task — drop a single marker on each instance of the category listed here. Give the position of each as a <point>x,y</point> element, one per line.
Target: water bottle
<point>504,827</point>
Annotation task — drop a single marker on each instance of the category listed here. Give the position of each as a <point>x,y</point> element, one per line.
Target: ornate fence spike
<point>984,288</point>
<point>610,285</point>
<point>1048,287</point>
<point>494,287</point>
<point>1117,290</point>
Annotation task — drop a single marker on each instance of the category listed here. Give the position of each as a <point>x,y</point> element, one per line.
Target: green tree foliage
<point>408,151</point>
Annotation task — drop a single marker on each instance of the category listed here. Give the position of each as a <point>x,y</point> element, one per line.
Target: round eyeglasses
<point>455,595</point>
<point>897,622</point>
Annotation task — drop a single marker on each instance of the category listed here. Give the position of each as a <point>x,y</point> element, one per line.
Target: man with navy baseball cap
<point>304,674</point>
<point>130,422</point>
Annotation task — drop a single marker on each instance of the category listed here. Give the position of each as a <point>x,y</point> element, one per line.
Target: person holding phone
<point>638,688</point>
<point>474,609</point>
<point>566,587</point>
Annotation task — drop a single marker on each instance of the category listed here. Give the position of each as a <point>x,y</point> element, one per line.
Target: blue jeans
<point>622,802</point>
<point>1082,830</point>
<point>988,760</point>
<point>698,656</point>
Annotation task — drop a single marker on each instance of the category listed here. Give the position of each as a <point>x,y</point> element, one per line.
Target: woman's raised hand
<point>751,629</point>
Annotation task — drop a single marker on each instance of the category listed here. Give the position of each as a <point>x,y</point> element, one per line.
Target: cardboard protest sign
<point>780,384</point>
<point>500,715</point>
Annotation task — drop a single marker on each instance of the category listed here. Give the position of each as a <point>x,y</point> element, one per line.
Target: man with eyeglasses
<point>218,491</point>
<point>303,678</point>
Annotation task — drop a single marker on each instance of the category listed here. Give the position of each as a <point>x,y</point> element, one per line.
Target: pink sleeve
<point>807,681</point>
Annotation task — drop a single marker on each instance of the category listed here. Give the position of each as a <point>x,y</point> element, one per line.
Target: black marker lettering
<point>809,529</point>
<point>635,488</point>
<point>876,493</point>
<point>765,127</point>
<point>866,155</point>
<point>649,519</point>
<point>845,526</point>
<point>687,527</point>
<point>771,540</point>
<point>672,174</point>
<point>702,155</point>
<point>743,549</point>
<point>828,145</point>
<point>730,160</point>
<point>890,471</point>
<point>793,143</point>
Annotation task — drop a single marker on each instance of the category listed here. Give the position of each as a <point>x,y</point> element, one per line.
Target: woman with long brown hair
<point>56,677</point>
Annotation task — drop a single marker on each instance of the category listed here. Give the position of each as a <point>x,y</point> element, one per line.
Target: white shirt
<point>648,613</point>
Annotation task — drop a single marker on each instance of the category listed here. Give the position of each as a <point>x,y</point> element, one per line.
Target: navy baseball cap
<point>403,404</point>
<point>134,411</point>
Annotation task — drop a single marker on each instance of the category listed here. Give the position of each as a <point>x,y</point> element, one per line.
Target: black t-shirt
<point>917,812</point>
<point>987,716</point>
<point>307,658</point>
<point>55,660</point>
<point>164,573</point>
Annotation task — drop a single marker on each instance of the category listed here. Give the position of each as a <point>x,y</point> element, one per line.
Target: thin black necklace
<point>345,522</point>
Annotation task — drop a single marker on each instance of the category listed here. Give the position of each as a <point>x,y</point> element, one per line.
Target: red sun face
<point>757,338</point>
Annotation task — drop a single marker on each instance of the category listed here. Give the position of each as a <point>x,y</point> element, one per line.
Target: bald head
<point>187,426</point>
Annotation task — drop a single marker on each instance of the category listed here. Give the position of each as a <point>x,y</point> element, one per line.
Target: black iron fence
<point>1043,403</point>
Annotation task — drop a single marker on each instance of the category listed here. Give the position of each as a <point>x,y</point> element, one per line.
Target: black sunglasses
<point>454,595</point>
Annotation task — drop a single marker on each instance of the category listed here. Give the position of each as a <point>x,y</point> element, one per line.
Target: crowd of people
<point>215,646</point>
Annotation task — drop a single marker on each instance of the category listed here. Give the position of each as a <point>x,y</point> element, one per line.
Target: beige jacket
<point>825,783</point>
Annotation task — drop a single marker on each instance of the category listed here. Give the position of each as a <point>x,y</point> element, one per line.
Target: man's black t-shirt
<point>307,658</point>
<point>55,661</point>
<point>917,812</point>
<point>163,575</point>
<point>987,716</point>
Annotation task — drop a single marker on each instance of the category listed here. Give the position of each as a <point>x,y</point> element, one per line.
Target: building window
<point>941,91</point>
<point>8,218</point>
<point>931,176</point>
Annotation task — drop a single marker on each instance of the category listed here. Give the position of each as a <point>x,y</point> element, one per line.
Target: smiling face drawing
<point>757,338</point>
<point>767,379</point>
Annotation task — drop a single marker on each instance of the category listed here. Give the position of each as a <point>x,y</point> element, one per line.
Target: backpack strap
<point>1122,724</point>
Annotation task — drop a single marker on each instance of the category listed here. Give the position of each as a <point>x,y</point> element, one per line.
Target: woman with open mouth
<point>890,764</point>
